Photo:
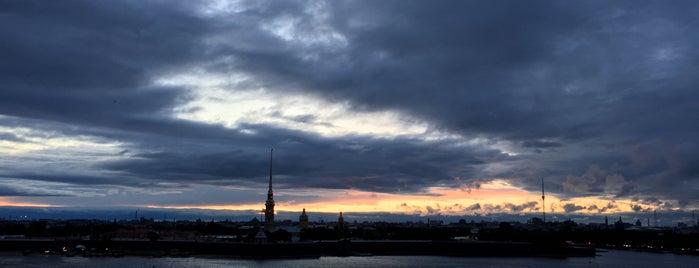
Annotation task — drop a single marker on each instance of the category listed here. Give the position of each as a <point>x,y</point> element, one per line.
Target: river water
<point>604,259</point>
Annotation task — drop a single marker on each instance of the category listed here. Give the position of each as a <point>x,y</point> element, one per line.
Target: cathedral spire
<point>270,194</point>
<point>269,204</point>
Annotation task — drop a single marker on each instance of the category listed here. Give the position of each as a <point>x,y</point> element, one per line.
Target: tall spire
<point>269,204</point>
<point>270,194</point>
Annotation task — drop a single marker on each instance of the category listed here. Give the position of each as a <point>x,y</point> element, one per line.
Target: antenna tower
<point>543,200</point>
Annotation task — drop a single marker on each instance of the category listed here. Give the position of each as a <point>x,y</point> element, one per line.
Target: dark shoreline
<point>316,249</point>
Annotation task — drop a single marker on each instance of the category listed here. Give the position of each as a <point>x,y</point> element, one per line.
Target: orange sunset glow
<point>496,196</point>
<point>9,202</point>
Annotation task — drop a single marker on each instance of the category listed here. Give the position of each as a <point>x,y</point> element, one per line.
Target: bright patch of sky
<point>213,103</point>
<point>9,202</point>
<point>219,7</point>
<point>33,140</point>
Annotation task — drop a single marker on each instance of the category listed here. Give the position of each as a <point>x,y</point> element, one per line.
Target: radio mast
<point>543,200</point>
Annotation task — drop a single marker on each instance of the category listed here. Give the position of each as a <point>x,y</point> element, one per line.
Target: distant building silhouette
<point>619,224</point>
<point>340,222</point>
<point>303,220</point>
<point>254,222</point>
<point>535,221</point>
<point>260,237</point>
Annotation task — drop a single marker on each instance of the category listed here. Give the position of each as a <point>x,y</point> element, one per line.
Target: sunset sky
<point>415,107</point>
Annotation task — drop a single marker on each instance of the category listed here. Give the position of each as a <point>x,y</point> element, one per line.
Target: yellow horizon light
<point>8,202</point>
<point>496,196</point>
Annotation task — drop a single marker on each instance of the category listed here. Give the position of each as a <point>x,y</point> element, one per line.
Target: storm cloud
<point>599,98</point>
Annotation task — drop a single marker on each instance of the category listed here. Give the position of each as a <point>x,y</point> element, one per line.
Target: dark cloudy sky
<point>426,107</point>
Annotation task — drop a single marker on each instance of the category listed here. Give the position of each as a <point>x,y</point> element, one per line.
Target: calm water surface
<point>604,259</point>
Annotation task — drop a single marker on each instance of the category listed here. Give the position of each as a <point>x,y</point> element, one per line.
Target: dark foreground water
<point>604,259</point>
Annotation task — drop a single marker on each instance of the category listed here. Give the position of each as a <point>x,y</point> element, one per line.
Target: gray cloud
<point>540,144</point>
<point>570,208</point>
<point>597,97</point>
<point>304,160</point>
<point>13,191</point>
<point>579,74</point>
<point>90,63</point>
<point>521,207</point>
<point>11,137</point>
